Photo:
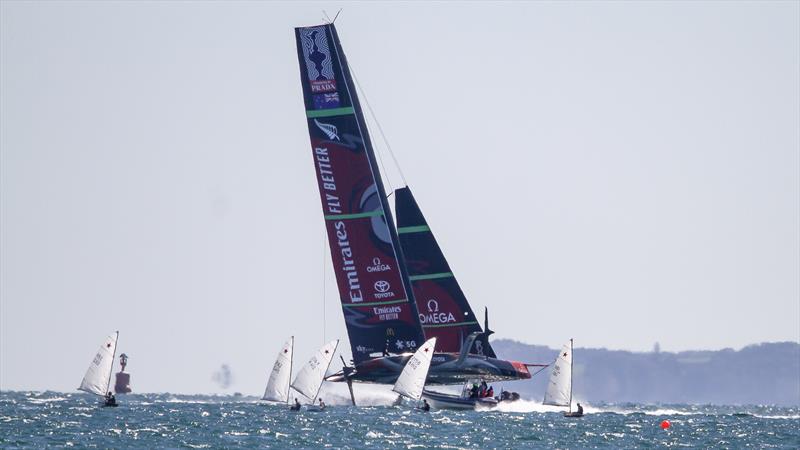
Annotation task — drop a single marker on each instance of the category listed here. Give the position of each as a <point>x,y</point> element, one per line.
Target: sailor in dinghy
<point>278,385</point>
<point>98,376</point>
<point>411,381</point>
<point>559,388</point>
<point>309,380</point>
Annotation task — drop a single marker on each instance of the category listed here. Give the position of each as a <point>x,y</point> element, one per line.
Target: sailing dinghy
<point>98,376</point>
<point>559,389</point>
<point>309,380</point>
<point>279,379</point>
<point>411,381</point>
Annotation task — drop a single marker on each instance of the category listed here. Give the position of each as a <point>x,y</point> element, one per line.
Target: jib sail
<point>443,309</point>
<point>379,309</point>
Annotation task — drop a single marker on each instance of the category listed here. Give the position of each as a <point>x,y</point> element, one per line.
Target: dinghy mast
<point>377,299</point>
<point>571,359</point>
<point>111,369</point>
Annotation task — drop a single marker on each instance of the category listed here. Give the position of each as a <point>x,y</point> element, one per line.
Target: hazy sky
<point>621,173</point>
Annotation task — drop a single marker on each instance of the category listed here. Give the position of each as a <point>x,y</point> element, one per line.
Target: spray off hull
<point>445,369</point>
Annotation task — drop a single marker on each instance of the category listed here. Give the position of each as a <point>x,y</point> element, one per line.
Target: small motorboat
<point>466,400</point>
<point>440,400</point>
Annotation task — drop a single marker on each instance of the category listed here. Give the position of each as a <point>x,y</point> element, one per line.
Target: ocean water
<point>39,419</point>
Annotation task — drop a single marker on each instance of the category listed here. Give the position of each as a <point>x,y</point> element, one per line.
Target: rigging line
<point>324,273</point>
<point>380,157</point>
<point>380,128</point>
<point>324,276</point>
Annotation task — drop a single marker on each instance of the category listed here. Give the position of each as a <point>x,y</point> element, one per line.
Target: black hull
<point>445,369</point>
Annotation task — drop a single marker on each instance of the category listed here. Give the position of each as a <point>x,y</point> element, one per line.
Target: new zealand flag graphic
<point>326,101</point>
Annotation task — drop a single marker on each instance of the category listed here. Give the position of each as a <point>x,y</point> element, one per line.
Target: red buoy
<point>665,424</point>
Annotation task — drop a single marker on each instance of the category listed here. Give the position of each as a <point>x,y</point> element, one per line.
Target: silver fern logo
<point>328,129</point>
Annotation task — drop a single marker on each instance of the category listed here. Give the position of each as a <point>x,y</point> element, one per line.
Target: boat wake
<point>527,406</point>
<point>366,394</point>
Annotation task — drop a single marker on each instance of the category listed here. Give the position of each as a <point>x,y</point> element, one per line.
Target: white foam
<point>365,394</point>
<point>46,400</point>
<point>792,417</point>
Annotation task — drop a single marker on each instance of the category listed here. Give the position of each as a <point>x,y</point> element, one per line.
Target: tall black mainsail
<point>443,308</point>
<point>379,308</point>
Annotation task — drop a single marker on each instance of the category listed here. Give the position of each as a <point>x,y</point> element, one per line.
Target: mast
<point>291,365</point>
<point>114,355</point>
<point>376,296</point>
<point>373,164</point>
<point>571,359</point>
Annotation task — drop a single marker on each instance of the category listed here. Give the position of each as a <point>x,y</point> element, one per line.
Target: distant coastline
<point>759,374</point>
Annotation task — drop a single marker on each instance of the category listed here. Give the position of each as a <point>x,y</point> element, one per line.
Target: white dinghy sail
<point>411,381</point>
<point>98,376</point>
<point>559,389</point>
<point>309,380</point>
<point>278,385</point>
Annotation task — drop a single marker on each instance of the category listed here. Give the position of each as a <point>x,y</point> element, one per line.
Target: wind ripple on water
<point>35,420</point>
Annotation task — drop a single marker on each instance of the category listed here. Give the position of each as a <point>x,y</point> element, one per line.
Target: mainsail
<point>98,376</point>
<point>443,309</point>
<point>559,389</point>
<point>278,384</point>
<point>309,380</point>
<point>379,309</point>
<point>411,381</point>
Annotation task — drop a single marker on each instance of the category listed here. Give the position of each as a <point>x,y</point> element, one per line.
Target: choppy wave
<point>197,421</point>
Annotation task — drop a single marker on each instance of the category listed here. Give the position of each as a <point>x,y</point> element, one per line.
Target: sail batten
<point>431,276</point>
<point>330,112</point>
<point>376,295</point>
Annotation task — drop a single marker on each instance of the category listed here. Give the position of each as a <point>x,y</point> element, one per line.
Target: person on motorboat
<point>296,406</point>
<point>110,399</point>
<point>473,393</point>
<point>490,392</point>
<point>483,389</point>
